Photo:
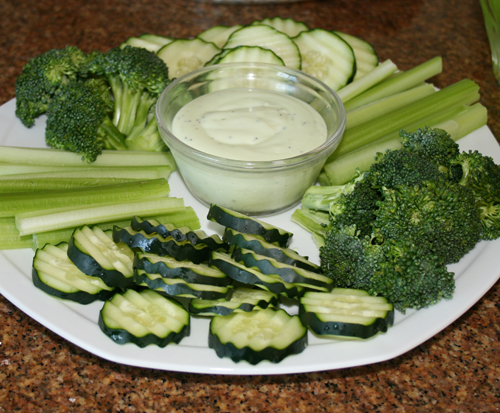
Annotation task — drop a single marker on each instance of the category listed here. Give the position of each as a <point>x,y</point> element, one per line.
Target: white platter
<point>476,273</point>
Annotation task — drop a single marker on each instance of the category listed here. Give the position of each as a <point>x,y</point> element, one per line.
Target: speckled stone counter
<point>458,370</point>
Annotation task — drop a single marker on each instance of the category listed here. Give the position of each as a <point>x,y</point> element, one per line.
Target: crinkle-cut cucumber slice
<point>218,35</point>
<point>54,273</point>
<point>240,54</point>
<point>345,313</point>
<point>366,56</point>
<point>185,55</point>
<point>151,42</point>
<point>248,225</point>
<point>256,336</point>
<point>177,287</point>
<point>144,318</point>
<point>267,38</point>
<point>287,25</point>
<point>95,253</point>
<point>240,299</point>
<point>188,271</point>
<point>327,57</point>
<point>152,226</point>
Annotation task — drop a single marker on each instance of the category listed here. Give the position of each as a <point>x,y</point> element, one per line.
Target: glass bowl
<point>250,187</point>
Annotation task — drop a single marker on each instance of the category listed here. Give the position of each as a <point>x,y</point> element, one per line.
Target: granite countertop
<point>455,371</point>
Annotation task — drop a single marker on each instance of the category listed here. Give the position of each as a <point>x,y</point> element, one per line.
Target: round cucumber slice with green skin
<point>345,313</point>
<point>364,52</point>
<point>94,252</point>
<point>327,57</point>
<point>179,288</point>
<point>152,226</point>
<point>187,271</point>
<point>54,273</point>
<point>287,25</point>
<point>218,34</point>
<point>256,336</point>
<point>268,38</point>
<point>248,225</point>
<point>156,244</point>
<point>240,299</point>
<point>262,247</point>
<point>185,55</point>
<point>286,272</point>
<point>144,318</point>
<point>247,54</point>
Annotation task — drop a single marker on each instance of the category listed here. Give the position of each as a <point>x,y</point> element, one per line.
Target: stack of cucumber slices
<point>334,57</point>
<point>154,277</point>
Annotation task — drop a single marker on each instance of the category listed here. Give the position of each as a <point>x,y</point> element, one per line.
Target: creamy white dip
<point>250,125</point>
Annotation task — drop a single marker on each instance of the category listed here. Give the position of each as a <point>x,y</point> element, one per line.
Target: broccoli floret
<point>439,217</point>
<point>481,175</point>
<point>350,259</point>
<point>137,77</point>
<point>44,76</point>
<point>409,279</point>
<point>435,145</point>
<point>77,120</point>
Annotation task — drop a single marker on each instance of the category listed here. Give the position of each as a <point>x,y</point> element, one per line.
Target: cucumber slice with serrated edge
<point>287,25</point>
<point>364,52</point>
<point>218,35</point>
<point>241,54</point>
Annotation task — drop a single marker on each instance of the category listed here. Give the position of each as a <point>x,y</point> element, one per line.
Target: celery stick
<point>370,79</point>
<point>343,169</point>
<point>464,92</point>
<point>50,156</point>
<point>313,221</point>
<point>42,184</point>
<point>58,218</point>
<point>183,218</point>
<point>131,172</point>
<point>9,236</point>
<point>381,107</point>
<point>396,84</point>
<point>17,203</point>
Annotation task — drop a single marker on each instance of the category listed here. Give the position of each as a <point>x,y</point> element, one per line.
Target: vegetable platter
<point>475,274</point>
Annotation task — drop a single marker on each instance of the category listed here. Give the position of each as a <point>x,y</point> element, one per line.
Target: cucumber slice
<point>95,253</point>
<point>240,299</point>
<point>262,247</point>
<point>152,226</point>
<point>54,273</point>
<point>247,54</point>
<point>267,38</point>
<point>364,52</point>
<point>185,55</point>
<point>327,57</point>
<point>144,318</point>
<point>286,25</point>
<point>286,272</point>
<point>179,288</point>
<point>218,35</point>
<point>257,335</point>
<point>169,267</point>
<point>248,225</point>
<point>345,313</point>
<point>156,244</point>
<point>151,42</point>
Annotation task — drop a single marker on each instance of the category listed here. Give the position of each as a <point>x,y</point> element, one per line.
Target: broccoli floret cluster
<point>393,229</point>
<point>94,101</point>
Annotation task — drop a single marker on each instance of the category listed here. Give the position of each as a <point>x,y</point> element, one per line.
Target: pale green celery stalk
<point>323,179</point>
<point>59,218</point>
<point>343,169</point>
<point>464,92</point>
<point>42,184</point>
<point>132,172</point>
<point>186,217</point>
<point>381,107</point>
<point>315,222</point>
<point>370,79</point>
<point>12,204</point>
<point>9,236</point>
<point>404,81</point>
<point>50,156</point>
<point>30,171</point>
